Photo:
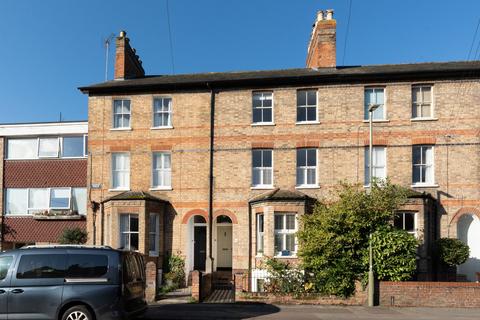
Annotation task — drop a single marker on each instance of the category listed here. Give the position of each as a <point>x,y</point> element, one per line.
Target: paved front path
<point>265,311</point>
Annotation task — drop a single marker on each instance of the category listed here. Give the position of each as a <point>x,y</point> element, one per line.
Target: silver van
<point>71,283</point>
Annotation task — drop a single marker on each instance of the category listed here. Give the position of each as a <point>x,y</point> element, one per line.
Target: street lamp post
<point>371,279</point>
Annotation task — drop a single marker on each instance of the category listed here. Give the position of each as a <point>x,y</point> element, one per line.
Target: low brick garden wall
<point>396,294</point>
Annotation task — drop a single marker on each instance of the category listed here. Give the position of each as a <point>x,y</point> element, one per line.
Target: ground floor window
<point>129,231</point>
<point>406,221</point>
<point>285,239</point>
<point>154,230</point>
<point>260,234</point>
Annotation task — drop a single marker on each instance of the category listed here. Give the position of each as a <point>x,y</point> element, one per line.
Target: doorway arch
<point>468,231</point>
<point>223,242</point>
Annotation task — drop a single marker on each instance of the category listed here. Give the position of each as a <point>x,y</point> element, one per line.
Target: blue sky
<point>49,48</point>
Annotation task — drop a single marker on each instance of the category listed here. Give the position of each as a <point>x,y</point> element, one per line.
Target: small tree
<point>452,252</point>
<point>73,236</point>
<point>334,238</point>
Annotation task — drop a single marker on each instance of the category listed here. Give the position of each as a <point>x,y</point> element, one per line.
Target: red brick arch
<point>464,211</point>
<point>225,212</point>
<point>194,212</point>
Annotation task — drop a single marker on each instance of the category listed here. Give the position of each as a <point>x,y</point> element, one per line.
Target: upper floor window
<point>405,221</point>
<point>121,114</point>
<point>306,106</point>
<point>263,107</point>
<point>306,167</point>
<point>262,168</point>
<point>162,170</point>
<point>422,102</point>
<point>162,112</point>
<point>379,164</point>
<point>74,146</point>
<point>120,171</point>
<point>285,229</point>
<point>423,165</point>
<point>22,201</point>
<point>375,96</point>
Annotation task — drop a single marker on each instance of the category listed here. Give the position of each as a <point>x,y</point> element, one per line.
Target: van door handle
<point>17,291</point>
<point>2,291</point>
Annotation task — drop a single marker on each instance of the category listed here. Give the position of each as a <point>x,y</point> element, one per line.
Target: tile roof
<point>45,173</point>
<point>135,195</point>
<point>280,195</point>
<point>27,229</point>
<point>462,69</point>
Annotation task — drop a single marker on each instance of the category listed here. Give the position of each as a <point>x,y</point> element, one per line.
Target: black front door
<point>200,247</point>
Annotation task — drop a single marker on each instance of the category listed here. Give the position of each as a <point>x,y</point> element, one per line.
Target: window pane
<point>267,158</point>
<point>124,219</point>
<point>133,241</point>
<point>38,199</point>
<point>16,201</point>
<point>290,222</point>
<point>398,221</point>
<point>260,222</point>
<point>290,243</point>
<point>378,113</point>
<point>278,243</point>
<point>87,265</point>
<point>267,115</point>
<point>256,100</point>
<point>79,200</point>
<point>5,263</point>
<point>311,176</point>
<point>426,111</point>
<point>428,155</point>
<point>416,98</point>
<point>379,96</point>
<point>301,114</point>
<point>301,157</point>
<point>417,174</point>
<point>428,174</point>
<point>256,158</point>
<point>311,114</point>
<point>278,222</point>
<point>257,115</point>
<point>312,98</point>
<point>117,106</point>
<point>126,106</point>
<point>300,176</point>
<point>416,155</point>
<point>409,222</point>
<point>301,98</point>
<point>426,94</point>
<point>22,148</point>
<point>267,176</point>
<point>133,223</point>
<point>72,146</point>
<point>256,176</point>
<point>311,157</point>
<point>36,266</point>
<point>48,147</point>
<point>60,198</point>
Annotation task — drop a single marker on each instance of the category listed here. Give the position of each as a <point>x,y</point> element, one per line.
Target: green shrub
<point>283,278</point>
<point>452,251</point>
<point>175,272</point>
<point>73,236</point>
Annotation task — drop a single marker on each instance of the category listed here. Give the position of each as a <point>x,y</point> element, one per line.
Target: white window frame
<point>122,114</point>
<point>415,228</point>
<point>129,231</point>
<point>127,171</point>
<point>416,105</point>
<point>263,185</point>
<point>260,235</point>
<point>366,115</point>
<point>263,94</point>
<point>156,233</point>
<point>306,106</point>
<point>163,170</point>
<point>432,182</point>
<point>284,232</point>
<point>375,165</point>
<point>69,199</point>
<point>169,113</point>
<point>48,138</point>
<point>305,170</point>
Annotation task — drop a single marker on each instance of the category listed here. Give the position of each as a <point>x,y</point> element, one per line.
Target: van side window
<point>34,266</point>
<point>5,263</point>
<point>87,265</point>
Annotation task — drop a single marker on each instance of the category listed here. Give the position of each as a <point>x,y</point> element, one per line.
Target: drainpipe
<point>209,262</point>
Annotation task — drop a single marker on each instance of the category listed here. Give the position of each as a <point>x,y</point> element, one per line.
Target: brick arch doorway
<point>468,231</point>
<point>223,242</point>
<point>197,242</point>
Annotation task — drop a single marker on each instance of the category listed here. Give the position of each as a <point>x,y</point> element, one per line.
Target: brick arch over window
<point>225,212</point>
<point>463,211</point>
<point>194,212</point>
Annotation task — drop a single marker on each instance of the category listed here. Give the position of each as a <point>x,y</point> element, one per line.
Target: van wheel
<point>77,313</point>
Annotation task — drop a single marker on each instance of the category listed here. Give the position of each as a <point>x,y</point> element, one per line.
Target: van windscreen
<point>87,265</point>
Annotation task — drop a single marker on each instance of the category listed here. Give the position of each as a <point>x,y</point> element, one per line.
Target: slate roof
<point>28,229</point>
<point>135,195</point>
<point>280,195</point>
<point>420,71</point>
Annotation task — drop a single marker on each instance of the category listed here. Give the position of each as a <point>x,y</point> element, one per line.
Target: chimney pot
<point>329,14</point>
<point>123,34</point>
<point>320,15</point>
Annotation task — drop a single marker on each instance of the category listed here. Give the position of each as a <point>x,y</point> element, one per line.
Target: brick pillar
<point>269,231</point>
<point>196,275</point>
<point>239,282</point>
<point>151,274</point>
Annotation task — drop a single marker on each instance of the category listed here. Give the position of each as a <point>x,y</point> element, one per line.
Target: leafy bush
<point>73,236</point>
<point>283,278</point>
<point>452,251</point>
<point>334,238</point>
<point>175,272</point>
<point>394,255</point>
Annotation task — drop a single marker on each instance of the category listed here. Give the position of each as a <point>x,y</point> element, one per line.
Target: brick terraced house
<point>218,167</point>
<point>44,181</point>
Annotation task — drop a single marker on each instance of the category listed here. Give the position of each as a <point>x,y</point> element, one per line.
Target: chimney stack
<point>322,47</point>
<point>127,63</point>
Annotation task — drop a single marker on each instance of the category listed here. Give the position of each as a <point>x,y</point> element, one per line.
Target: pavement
<point>293,312</point>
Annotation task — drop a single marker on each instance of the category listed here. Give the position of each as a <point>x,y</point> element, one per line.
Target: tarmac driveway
<point>294,312</point>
